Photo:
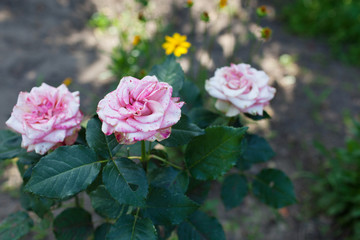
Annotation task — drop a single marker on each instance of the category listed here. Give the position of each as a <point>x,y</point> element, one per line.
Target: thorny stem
<point>165,161</point>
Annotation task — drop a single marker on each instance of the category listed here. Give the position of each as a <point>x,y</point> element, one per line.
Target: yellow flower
<point>67,81</point>
<point>136,40</point>
<point>222,3</point>
<point>176,44</point>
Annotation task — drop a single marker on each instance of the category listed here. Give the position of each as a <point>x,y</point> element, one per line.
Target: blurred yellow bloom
<point>67,81</point>
<point>222,3</point>
<point>136,40</point>
<point>176,44</point>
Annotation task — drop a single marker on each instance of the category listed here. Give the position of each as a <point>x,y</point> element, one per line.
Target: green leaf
<point>258,117</point>
<point>274,188</point>
<point>15,226</point>
<point>170,72</point>
<point>257,150</point>
<point>201,227</point>
<point>105,205</point>
<point>73,224</point>
<point>39,205</point>
<point>129,227</point>
<point>10,144</point>
<point>190,94</point>
<point>202,117</point>
<point>198,190</point>
<point>233,191</point>
<point>168,208</point>
<point>211,155</point>
<point>101,231</point>
<point>169,178</point>
<point>182,133</point>
<point>64,172</point>
<point>126,182</point>
<point>105,146</point>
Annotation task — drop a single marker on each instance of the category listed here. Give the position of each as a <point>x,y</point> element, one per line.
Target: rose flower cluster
<point>137,110</point>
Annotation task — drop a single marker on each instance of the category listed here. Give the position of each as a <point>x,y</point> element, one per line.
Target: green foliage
<point>201,227</point>
<point>169,178</point>
<point>211,155</point>
<point>74,224</point>
<point>257,150</point>
<point>170,72</point>
<point>131,227</point>
<point>105,146</point>
<point>274,188</point>
<point>15,226</point>
<point>233,191</point>
<point>104,204</point>
<point>100,20</point>
<point>336,189</point>
<point>9,144</point>
<point>182,133</point>
<point>336,20</point>
<point>126,181</point>
<point>64,172</point>
<point>168,208</point>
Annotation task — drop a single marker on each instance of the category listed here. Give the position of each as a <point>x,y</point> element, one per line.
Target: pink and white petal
<point>42,148</point>
<point>55,136</point>
<point>124,126</point>
<point>107,129</point>
<point>227,108</point>
<point>15,124</point>
<point>162,134</point>
<point>256,109</point>
<point>241,103</point>
<point>172,115</point>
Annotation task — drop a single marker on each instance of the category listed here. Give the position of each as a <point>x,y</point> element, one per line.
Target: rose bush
<point>139,110</point>
<point>46,117</point>
<point>240,89</point>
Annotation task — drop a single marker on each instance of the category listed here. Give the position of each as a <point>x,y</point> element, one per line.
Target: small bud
<point>205,17</point>
<point>261,11</point>
<point>189,3</point>
<point>266,33</point>
<point>222,3</point>
<point>67,81</point>
<point>136,40</point>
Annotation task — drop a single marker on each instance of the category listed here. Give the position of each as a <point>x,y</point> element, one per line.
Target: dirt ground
<point>50,41</point>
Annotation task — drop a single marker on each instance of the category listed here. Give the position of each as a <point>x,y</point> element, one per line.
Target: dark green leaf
<point>202,117</point>
<point>201,227</point>
<point>105,146</point>
<point>129,227</point>
<point>81,139</point>
<point>170,72</point>
<point>211,155</point>
<point>105,205</point>
<point>182,133</point>
<point>126,182</point>
<point>233,191</point>
<point>15,226</point>
<point>10,144</point>
<point>39,205</point>
<point>257,150</point>
<point>168,208</point>
<point>64,172</point>
<point>73,224</point>
<point>274,188</point>
<point>135,149</point>
<point>101,231</point>
<point>258,117</point>
<point>198,190</point>
<point>169,178</point>
<point>190,94</point>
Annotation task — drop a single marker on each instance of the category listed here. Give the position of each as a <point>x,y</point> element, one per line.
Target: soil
<point>50,41</point>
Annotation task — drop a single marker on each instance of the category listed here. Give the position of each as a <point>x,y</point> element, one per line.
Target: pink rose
<point>47,117</point>
<point>240,88</point>
<point>139,110</point>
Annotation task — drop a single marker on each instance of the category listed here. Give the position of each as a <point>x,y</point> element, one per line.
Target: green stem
<point>143,155</point>
<point>165,161</point>
<point>134,224</point>
<point>77,201</point>
<point>134,157</point>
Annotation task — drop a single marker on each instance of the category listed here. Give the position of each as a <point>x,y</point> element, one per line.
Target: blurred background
<point>310,50</point>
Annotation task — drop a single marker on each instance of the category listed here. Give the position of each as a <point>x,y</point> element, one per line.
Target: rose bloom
<point>139,110</point>
<point>47,117</point>
<point>240,89</point>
